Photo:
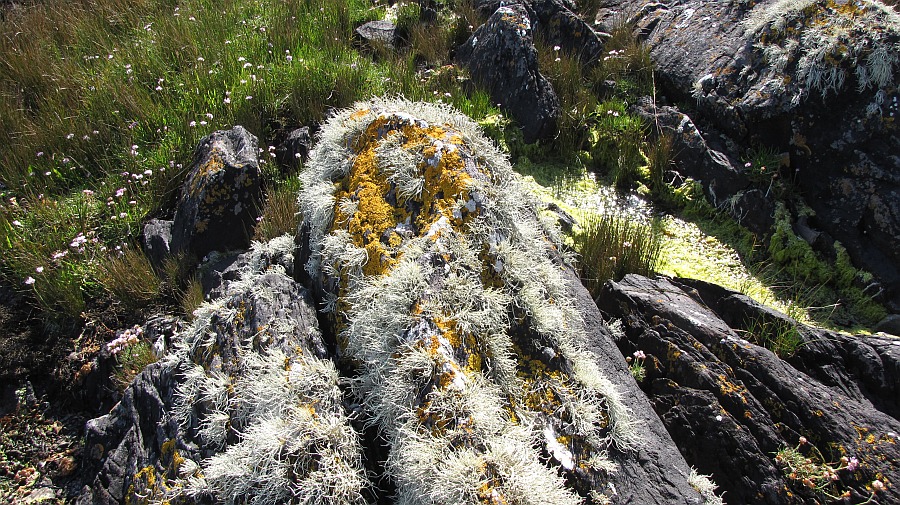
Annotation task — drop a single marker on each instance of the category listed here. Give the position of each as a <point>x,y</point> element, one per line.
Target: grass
<point>614,244</point>
<point>279,215</point>
<point>104,102</point>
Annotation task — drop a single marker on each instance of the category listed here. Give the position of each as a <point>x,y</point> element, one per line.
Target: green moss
<point>793,253</point>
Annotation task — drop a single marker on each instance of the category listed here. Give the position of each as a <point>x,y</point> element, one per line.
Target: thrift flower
<point>29,281</point>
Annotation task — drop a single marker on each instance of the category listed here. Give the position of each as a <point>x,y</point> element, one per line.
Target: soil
<point>41,426</point>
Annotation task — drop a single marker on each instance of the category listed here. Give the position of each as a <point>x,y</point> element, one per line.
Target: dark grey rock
<point>222,196</point>
<point>849,175</point>
<point>501,57</point>
<point>157,238</point>
<point>730,405</point>
<point>378,34</point>
<point>890,324</point>
<point>294,150</point>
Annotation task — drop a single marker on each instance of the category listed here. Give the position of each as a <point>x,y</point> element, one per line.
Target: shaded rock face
<point>816,79</point>
<point>559,25</point>
<point>731,405</point>
<point>723,181</point>
<point>222,196</point>
<point>501,58</point>
<point>477,354</point>
<point>243,408</point>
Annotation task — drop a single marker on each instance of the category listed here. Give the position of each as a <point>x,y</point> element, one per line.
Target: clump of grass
<point>613,245</point>
<point>192,297</point>
<point>777,335</point>
<point>279,215</point>
<point>130,278</point>
<point>617,138</point>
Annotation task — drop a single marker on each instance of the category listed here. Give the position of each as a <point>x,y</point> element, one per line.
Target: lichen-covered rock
<point>739,412</point>
<point>222,196</point>
<point>501,58</point>
<point>817,79</point>
<point>244,409</point>
<point>482,361</point>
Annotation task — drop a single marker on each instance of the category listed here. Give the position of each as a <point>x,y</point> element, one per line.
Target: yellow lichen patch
<point>374,217</point>
<point>726,387</point>
<point>213,165</point>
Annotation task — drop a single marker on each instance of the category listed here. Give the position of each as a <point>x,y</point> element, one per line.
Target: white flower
<point>29,281</point>
<point>39,269</point>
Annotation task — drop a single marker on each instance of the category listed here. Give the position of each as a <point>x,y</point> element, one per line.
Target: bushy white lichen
<point>828,43</point>
<point>459,276</point>
<point>271,412</point>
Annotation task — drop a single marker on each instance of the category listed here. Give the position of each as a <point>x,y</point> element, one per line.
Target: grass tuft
<point>613,245</point>
<point>130,278</point>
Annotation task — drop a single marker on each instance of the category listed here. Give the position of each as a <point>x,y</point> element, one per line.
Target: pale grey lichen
<point>828,43</point>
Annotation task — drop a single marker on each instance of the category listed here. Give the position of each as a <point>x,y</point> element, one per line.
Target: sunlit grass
<point>104,101</point>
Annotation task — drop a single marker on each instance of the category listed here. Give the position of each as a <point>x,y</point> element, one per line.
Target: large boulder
<point>559,25</point>
<point>222,196</point>
<point>738,411</point>
<point>477,354</point>
<point>501,57</point>
<point>245,407</point>
<point>814,78</point>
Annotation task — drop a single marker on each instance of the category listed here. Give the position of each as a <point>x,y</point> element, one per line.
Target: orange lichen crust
<point>379,209</point>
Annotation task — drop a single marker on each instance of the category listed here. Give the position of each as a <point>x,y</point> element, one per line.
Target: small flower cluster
<point>814,473</point>
<point>124,340</point>
<point>636,366</point>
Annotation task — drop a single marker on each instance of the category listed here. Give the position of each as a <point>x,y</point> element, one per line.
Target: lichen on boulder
<point>449,299</point>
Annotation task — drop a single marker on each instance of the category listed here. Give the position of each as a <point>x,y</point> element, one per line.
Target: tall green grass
<point>104,100</point>
<point>614,244</point>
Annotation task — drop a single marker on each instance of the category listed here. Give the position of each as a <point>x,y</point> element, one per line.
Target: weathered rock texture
<point>222,196</point>
<point>502,59</point>
<point>815,78</point>
<point>731,405</point>
<point>480,358</point>
<point>558,24</point>
<point>245,408</point>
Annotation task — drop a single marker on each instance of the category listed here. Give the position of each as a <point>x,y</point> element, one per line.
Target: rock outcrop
<point>222,196</point>
<point>816,79</point>
<point>501,57</point>
<point>476,352</point>
<point>739,412</point>
<point>246,406</point>
<point>477,368</point>
<point>559,25</point>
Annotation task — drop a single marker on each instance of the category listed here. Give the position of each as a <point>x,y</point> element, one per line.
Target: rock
<point>243,407</point>
<point>475,350</point>
<point>222,196</point>
<point>378,34</point>
<point>731,405</point>
<point>295,149</point>
<point>718,172</point>
<point>783,74</point>
<point>156,239</point>
<point>501,57</point>
<point>559,25</point>
<point>890,324</point>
